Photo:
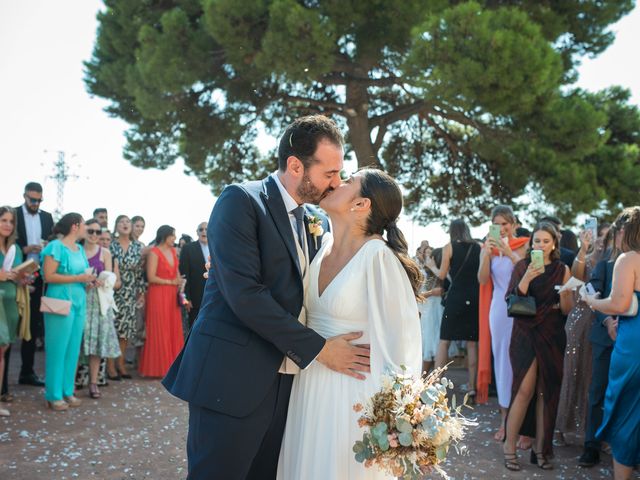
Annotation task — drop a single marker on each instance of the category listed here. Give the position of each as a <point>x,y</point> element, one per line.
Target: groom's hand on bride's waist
<point>340,355</point>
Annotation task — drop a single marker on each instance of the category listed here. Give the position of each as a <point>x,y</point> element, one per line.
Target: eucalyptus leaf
<point>405,439</point>
<point>403,426</point>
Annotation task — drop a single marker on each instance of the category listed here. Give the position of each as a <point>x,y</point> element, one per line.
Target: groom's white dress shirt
<point>288,366</point>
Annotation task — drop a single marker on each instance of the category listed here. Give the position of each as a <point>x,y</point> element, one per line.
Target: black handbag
<point>518,306</point>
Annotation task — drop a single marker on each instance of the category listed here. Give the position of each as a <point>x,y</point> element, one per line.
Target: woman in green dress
<point>10,256</point>
<point>66,275</point>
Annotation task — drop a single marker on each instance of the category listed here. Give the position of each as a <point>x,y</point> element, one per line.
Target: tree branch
<point>333,106</point>
<point>401,113</point>
<point>382,129</point>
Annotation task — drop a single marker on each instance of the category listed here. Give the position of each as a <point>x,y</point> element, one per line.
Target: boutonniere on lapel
<point>315,228</point>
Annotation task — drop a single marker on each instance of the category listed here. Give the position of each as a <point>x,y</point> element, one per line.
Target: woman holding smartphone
<point>501,251</point>
<point>537,347</point>
<point>621,423</point>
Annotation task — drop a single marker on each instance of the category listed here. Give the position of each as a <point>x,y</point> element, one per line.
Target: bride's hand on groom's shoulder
<point>340,355</point>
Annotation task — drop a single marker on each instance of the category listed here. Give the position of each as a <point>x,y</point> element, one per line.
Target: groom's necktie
<point>298,213</point>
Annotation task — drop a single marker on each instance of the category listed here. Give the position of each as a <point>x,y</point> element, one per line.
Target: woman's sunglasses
<point>91,231</point>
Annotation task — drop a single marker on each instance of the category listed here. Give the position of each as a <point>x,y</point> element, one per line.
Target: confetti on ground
<point>138,431</point>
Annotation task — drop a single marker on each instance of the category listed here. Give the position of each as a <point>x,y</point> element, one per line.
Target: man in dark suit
<point>236,367</point>
<point>193,258</point>
<point>34,229</point>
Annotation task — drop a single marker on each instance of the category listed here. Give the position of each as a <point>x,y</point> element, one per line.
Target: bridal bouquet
<point>410,425</point>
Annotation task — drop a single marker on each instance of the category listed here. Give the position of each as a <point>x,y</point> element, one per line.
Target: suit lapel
<point>43,228</point>
<point>273,200</point>
<point>22,229</point>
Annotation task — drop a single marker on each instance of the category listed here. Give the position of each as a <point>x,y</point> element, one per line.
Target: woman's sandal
<point>511,462</point>
<point>540,460</point>
<point>93,391</point>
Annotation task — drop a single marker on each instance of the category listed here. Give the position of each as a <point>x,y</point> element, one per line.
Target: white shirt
<point>205,250</point>
<point>33,227</point>
<point>290,204</point>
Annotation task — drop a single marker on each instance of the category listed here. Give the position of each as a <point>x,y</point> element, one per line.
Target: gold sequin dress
<point>572,411</point>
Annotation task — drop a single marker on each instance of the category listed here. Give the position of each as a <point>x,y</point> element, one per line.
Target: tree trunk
<point>357,109</point>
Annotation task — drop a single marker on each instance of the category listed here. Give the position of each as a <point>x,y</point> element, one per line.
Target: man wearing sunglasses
<point>193,258</point>
<point>34,229</point>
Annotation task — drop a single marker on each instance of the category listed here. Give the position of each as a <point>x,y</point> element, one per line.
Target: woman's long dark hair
<point>64,225</point>
<point>386,205</point>
<point>459,231</point>
<point>551,229</point>
<point>163,232</point>
<point>436,253</point>
<point>569,240</point>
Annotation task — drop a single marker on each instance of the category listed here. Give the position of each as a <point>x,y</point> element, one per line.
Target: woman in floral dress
<point>100,339</point>
<point>128,255</point>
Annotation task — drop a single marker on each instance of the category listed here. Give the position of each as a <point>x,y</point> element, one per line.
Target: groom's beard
<point>309,193</point>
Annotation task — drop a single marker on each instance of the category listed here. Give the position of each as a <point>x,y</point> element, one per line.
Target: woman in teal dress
<point>621,422</point>
<point>65,269</point>
<point>10,256</point>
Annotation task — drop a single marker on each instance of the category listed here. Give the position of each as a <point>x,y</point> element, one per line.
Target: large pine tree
<point>468,103</point>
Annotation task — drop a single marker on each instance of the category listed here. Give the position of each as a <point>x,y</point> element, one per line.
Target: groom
<point>236,369</point>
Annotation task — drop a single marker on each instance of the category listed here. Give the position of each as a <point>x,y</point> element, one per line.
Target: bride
<point>358,282</point>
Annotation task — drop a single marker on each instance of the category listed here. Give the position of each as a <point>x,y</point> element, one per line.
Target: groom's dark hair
<point>300,139</point>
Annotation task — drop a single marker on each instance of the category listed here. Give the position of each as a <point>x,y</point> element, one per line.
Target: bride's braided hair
<point>386,205</point>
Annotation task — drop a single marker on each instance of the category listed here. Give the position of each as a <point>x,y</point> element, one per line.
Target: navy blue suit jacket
<point>248,320</point>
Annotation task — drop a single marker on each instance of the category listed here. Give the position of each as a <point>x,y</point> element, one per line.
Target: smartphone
<point>494,232</point>
<point>591,224</point>
<point>537,259</point>
<point>589,289</point>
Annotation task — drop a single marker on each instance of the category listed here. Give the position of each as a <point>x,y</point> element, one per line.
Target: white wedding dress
<point>371,294</point>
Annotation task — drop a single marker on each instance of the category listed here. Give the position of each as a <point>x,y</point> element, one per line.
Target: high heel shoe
<point>511,462</point>
<point>73,401</point>
<point>58,405</point>
<point>93,391</point>
<point>540,460</point>
<point>115,378</point>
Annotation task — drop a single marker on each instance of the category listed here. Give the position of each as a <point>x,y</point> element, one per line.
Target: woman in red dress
<point>163,317</point>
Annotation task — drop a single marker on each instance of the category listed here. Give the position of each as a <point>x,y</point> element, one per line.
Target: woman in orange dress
<point>163,318</point>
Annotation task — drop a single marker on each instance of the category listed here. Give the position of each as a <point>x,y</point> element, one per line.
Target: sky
<point>45,108</point>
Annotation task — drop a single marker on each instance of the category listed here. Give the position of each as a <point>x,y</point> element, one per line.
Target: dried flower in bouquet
<point>409,425</point>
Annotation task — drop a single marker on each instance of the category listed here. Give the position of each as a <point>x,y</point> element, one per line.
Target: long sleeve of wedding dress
<point>393,315</point>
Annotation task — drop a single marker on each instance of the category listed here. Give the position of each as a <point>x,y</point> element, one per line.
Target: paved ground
<point>137,431</point>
